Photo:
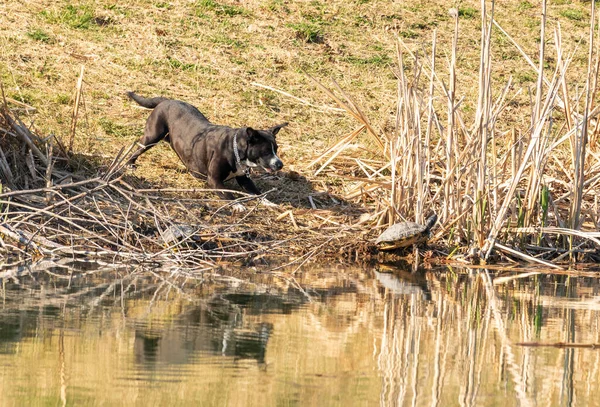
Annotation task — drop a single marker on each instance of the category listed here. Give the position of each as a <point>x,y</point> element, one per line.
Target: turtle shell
<point>174,233</point>
<point>405,234</point>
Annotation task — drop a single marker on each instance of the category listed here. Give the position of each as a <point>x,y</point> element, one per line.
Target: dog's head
<point>262,148</point>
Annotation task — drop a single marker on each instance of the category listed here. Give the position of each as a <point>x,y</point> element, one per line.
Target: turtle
<point>404,234</point>
<point>174,233</point>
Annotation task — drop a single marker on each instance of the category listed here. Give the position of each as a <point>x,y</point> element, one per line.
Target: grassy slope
<point>209,53</point>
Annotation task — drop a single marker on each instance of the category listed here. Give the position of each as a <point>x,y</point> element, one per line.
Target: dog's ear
<point>275,129</point>
<point>251,135</point>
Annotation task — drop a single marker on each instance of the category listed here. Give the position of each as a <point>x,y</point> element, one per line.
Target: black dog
<point>208,150</point>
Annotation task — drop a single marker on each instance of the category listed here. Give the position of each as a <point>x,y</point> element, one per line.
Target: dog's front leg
<point>246,183</point>
<point>214,181</point>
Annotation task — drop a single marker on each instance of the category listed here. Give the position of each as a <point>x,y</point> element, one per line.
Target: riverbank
<point>419,109</point>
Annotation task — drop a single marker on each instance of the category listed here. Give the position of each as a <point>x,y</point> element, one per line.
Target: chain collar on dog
<point>236,153</point>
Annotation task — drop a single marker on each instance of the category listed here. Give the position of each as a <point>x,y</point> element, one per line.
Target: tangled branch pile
<point>49,210</point>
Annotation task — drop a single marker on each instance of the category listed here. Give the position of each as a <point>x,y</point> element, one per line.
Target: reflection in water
<point>463,348</point>
<point>400,282</point>
<point>216,326</point>
<point>325,337</point>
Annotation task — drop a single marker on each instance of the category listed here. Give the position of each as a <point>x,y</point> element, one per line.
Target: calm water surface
<point>326,337</point>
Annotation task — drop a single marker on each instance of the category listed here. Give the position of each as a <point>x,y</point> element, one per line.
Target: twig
<point>526,257</point>
<point>335,109</point>
<point>560,345</point>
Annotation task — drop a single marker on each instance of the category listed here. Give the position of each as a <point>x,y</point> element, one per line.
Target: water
<point>326,337</point>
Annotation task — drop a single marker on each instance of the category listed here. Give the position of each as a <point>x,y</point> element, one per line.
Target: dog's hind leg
<point>156,130</point>
<point>141,150</point>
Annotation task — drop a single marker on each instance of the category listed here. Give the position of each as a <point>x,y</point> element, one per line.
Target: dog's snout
<point>278,165</point>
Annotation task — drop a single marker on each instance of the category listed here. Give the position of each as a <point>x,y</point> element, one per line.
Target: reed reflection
<point>486,338</point>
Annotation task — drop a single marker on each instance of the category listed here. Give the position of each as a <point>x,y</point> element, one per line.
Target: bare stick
<point>526,256</point>
<point>76,109</point>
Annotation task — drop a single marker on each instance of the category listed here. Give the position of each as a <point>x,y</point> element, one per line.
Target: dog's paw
<point>268,203</point>
<point>238,207</point>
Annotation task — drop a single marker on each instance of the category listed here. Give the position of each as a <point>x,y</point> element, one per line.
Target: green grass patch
<point>39,35</point>
<point>391,17</point>
<point>163,5</point>
<point>313,17</point>
<point>118,9</point>
<point>118,130</point>
<point>509,55</point>
<point>420,26</point>
<point>219,9</point>
<point>525,77</point>
<point>524,5</point>
<point>223,39</point>
<point>360,21</point>
<point>62,99</point>
<point>408,34</point>
<point>278,6</point>
<point>78,17</point>
<point>183,66</point>
<point>378,59</point>
<point>23,97</point>
<point>467,12</point>
<point>572,14</point>
<point>307,32</point>
<point>533,24</point>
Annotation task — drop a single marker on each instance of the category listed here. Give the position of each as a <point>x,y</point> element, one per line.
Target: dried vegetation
<point>501,145</point>
<point>49,210</point>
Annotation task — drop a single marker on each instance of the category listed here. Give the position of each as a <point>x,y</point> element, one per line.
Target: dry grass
<point>217,54</point>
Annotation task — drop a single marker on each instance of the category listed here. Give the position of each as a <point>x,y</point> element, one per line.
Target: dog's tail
<point>150,103</point>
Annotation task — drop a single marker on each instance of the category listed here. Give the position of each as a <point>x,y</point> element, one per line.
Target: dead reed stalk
<point>74,117</point>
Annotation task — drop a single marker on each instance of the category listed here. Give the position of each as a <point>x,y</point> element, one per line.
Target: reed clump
<point>530,192</point>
